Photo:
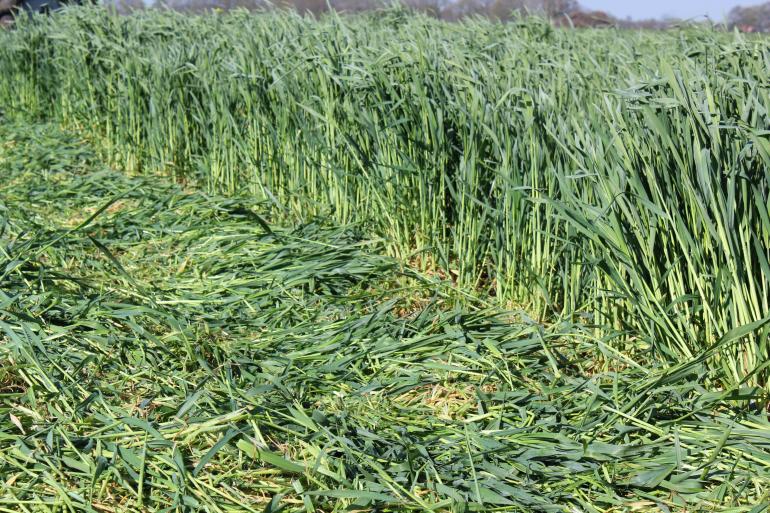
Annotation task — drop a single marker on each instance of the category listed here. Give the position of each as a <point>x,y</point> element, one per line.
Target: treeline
<point>501,9</point>
<point>561,12</point>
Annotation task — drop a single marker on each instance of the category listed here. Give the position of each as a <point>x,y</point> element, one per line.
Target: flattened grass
<point>165,350</point>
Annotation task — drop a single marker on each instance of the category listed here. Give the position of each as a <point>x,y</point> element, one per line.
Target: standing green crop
<point>616,177</point>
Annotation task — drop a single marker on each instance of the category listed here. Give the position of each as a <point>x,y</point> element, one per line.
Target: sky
<point>637,9</point>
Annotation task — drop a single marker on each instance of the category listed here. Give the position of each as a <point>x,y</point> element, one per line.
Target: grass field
<point>381,263</point>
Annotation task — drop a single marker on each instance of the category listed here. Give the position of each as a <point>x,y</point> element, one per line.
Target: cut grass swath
<point>230,367</point>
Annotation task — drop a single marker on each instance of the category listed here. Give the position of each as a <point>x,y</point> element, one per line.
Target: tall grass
<point>617,177</point>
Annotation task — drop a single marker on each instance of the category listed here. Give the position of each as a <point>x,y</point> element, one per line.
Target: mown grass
<point>615,176</point>
<point>168,350</point>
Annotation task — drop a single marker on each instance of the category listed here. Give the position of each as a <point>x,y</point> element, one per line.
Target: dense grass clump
<point>616,177</point>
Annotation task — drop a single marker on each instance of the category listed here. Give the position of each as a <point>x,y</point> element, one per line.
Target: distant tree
<point>750,19</point>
